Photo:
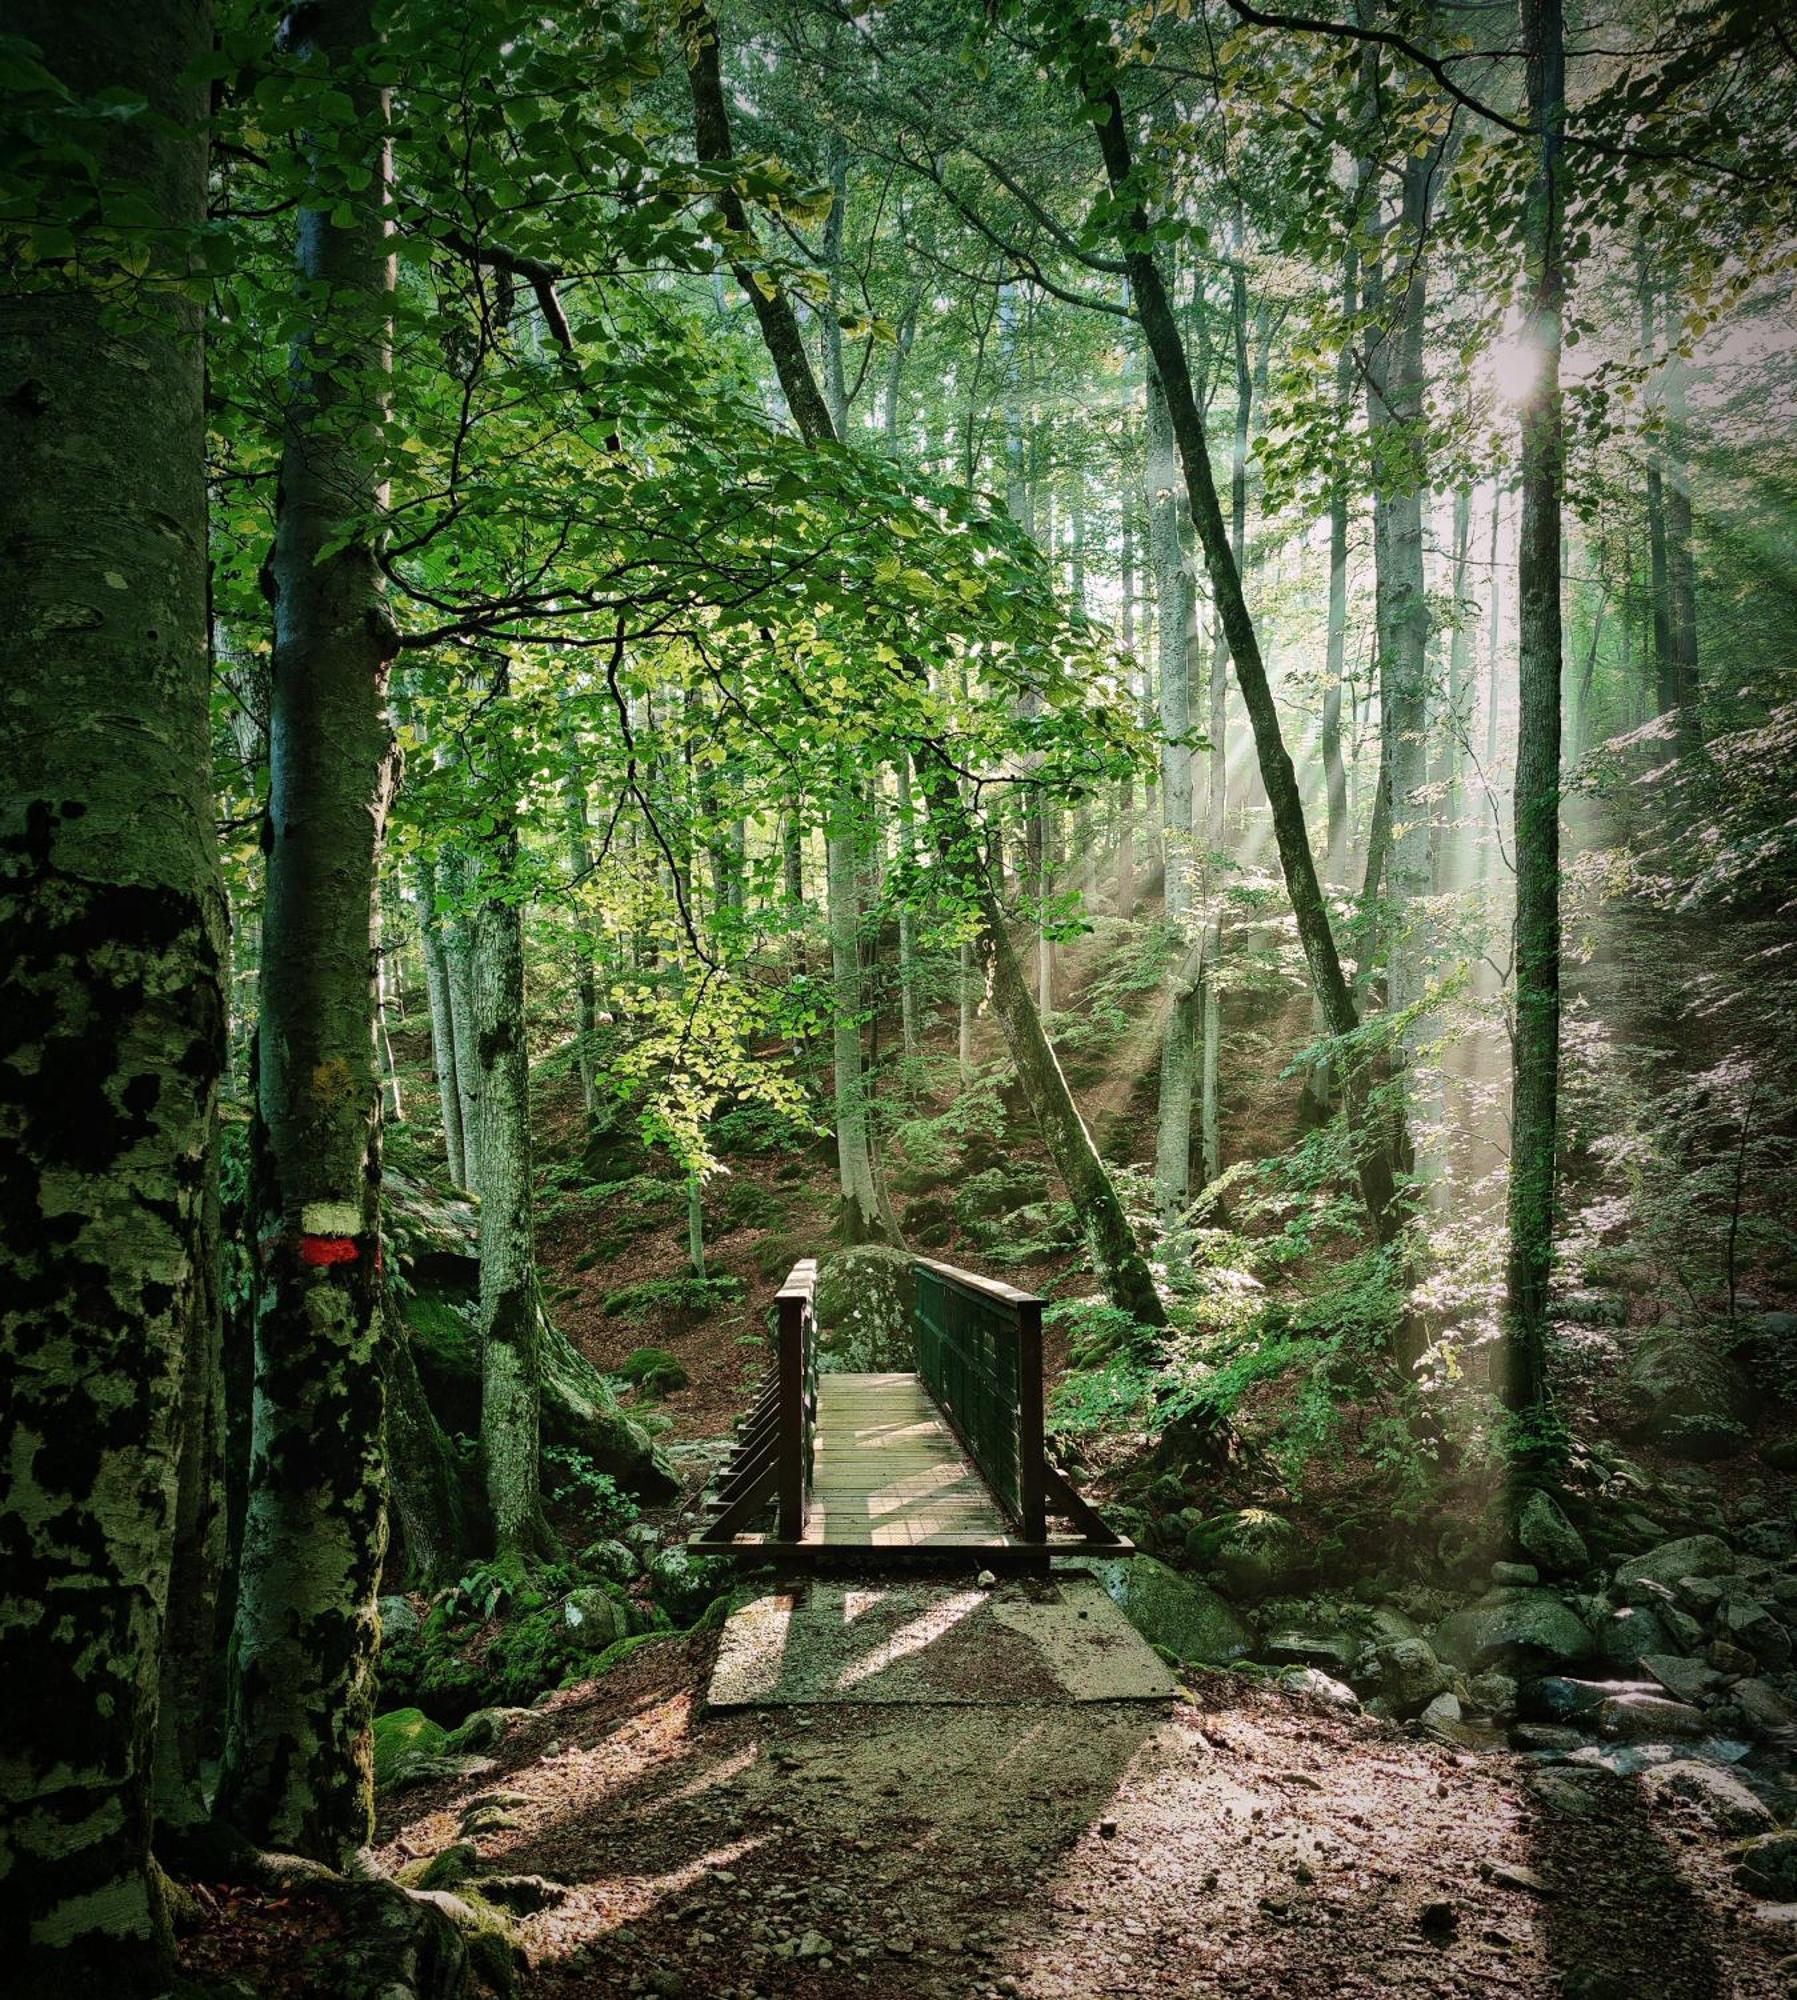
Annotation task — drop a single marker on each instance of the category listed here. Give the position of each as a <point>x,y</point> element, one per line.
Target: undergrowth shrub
<point>683,1296</point>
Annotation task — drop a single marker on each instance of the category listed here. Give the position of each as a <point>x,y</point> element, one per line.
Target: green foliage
<point>575,1483</point>
<point>682,1297</point>
<point>1114,1396</point>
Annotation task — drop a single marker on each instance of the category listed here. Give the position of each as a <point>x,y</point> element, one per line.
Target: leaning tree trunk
<point>1534,1088</point>
<point>296,1774</point>
<point>112,1015</point>
<point>510,1389</point>
<point>1373,1146</point>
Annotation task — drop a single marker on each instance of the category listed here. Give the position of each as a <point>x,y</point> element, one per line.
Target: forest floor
<point>1240,1840</point>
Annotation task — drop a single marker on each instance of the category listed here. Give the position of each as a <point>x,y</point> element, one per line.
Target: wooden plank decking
<point>889,1473</point>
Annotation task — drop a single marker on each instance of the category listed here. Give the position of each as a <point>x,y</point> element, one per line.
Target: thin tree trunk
<point>510,1384</point>
<point>859,1221</point>
<point>1334,776</point>
<point>907,918</point>
<point>1210,1112</point>
<point>112,1025</point>
<point>1175,614</point>
<point>296,1774</point>
<point>1534,1089</point>
<point>695,1224</point>
<point>1396,420</point>
<point>444,1054</point>
<point>1659,586</point>
<point>580,868</point>
<point>1460,648</point>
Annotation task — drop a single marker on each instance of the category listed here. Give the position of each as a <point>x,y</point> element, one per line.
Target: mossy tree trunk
<point>510,1395</point>
<point>112,1019</point>
<point>1535,1046</point>
<point>296,1770</point>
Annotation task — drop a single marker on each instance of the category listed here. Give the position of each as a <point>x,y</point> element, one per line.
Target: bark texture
<point>112,1021</point>
<point>1534,1088</point>
<point>509,1369</point>
<point>296,1769</point>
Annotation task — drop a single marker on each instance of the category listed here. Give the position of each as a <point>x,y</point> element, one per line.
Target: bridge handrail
<point>795,1364</point>
<point>979,1352</point>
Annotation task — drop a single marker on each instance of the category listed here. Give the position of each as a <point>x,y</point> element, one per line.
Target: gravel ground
<point>1240,1841</point>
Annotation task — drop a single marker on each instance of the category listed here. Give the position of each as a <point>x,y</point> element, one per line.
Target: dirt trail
<point>1240,1840</point>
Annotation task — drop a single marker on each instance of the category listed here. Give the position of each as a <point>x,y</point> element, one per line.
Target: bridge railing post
<point>796,1379</point>
<point>1031,1445</point>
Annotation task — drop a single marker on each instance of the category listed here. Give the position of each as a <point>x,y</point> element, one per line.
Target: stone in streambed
<point>1690,1555</point>
<point>1720,1795</point>
<point>1532,1627</point>
<point>1648,1718</point>
<point>1548,1538</point>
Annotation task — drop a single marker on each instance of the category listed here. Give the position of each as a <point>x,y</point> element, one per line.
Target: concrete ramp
<point>1029,1639</point>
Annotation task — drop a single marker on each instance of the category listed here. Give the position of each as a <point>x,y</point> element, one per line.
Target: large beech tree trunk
<point>1374,1148</point>
<point>296,1770</point>
<point>112,1025</point>
<point>1535,1059</point>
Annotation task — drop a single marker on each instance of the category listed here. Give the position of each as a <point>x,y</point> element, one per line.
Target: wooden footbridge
<point>946,1463</point>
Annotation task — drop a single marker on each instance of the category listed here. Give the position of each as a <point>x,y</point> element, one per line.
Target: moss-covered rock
<point>402,1737</point>
<point>654,1371</point>
<point>866,1297</point>
<point>1172,1611</point>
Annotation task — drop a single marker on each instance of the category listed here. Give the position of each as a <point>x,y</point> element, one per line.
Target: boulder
<point>1684,1393</point>
<point>1684,1680</point>
<point>1767,1864</point>
<point>1648,1718</point>
<point>1257,1551</point>
<point>1174,1611</point>
<point>1691,1555</point>
<point>1558,1698</point>
<point>865,1300</point>
<point>398,1619</point>
<point>1626,1637</point>
<point>1408,1674</point>
<point>1766,1711</point>
<point>614,1561</point>
<point>1747,1623</point>
<point>1493,1694</point>
<point>403,1739</point>
<point>1515,1575</point>
<point>1533,1628</point>
<point>1324,1687</point>
<point>684,1584</point>
<point>1548,1538</point>
<point>1720,1795</point>
<point>593,1619</point>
